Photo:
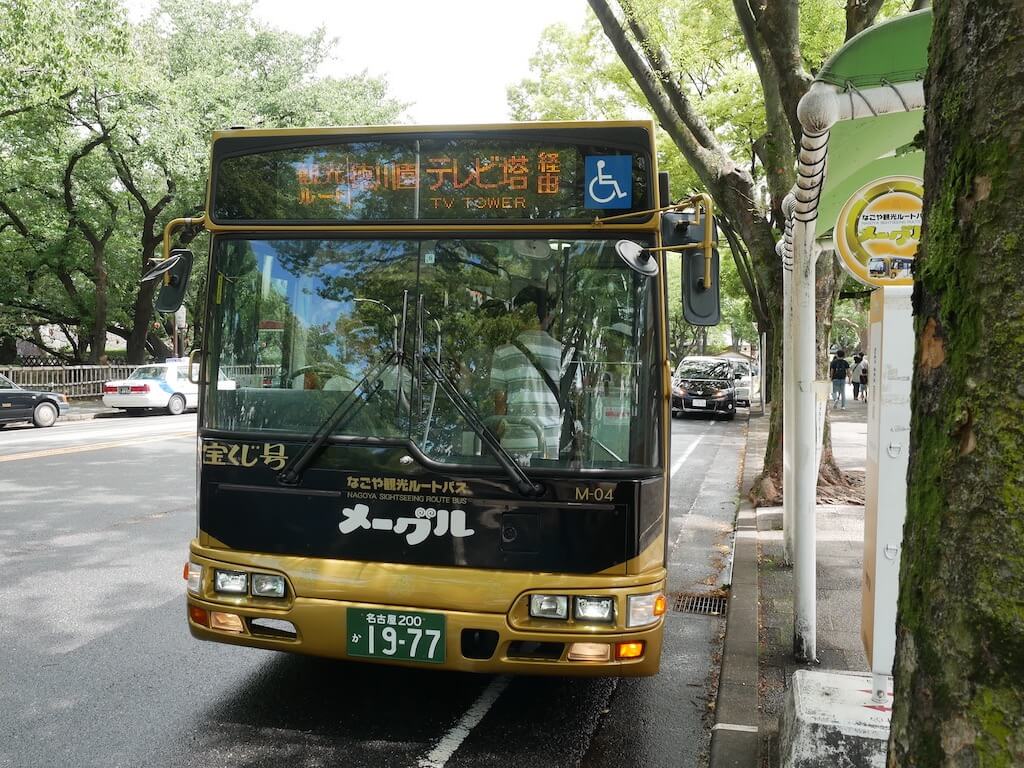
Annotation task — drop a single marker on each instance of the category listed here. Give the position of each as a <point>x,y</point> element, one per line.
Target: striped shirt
<point>528,395</point>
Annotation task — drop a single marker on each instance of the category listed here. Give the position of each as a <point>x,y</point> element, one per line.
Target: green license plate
<point>399,635</point>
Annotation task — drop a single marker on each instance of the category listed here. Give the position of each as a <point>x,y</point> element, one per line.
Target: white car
<point>744,382</point>
<point>160,385</point>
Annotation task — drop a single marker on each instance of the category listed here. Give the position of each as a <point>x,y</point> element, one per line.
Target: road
<point>98,668</point>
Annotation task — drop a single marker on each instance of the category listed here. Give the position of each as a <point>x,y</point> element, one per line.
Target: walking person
<point>864,381</point>
<point>858,366</point>
<point>839,370</point>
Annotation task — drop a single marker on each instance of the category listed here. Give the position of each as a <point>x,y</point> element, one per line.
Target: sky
<point>417,45</point>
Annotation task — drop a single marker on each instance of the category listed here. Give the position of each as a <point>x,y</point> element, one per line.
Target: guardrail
<point>78,381</point>
<point>71,380</point>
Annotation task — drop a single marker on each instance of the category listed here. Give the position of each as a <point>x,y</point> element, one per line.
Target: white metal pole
<point>805,476</point>
<point>816,115</point>
<point>788,392</point>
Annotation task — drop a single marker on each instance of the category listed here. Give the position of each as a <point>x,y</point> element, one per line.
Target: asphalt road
<point>97,667</point>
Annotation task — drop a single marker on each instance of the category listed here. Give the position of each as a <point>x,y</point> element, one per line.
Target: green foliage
<point>105,137</point>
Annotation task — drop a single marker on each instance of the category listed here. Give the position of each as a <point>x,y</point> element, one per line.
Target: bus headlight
<point>549,606</point>
<point>267,585</point>
<point>232,582</point>
<point>594,609</point>
<point>644,609</point>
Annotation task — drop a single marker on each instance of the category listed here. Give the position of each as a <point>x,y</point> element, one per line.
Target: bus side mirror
<point>688,232</point>
<point>173,272</point>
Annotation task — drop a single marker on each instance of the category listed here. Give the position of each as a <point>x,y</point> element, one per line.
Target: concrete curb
<point>735,739</point>
<point>85,411</point>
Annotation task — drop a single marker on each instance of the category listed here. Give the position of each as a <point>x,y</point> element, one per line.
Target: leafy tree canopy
<point>105,136</point>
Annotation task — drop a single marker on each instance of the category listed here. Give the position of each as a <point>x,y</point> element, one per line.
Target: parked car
<point>704,385</point>
<point>744,383</point>
<point>41,408</point>
<point>163,386</point>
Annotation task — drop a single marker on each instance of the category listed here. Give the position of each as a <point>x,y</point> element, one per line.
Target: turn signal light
<point>194,576</point>
<point>660,605</point>
<point>629,650</point>
<point>199,615</point>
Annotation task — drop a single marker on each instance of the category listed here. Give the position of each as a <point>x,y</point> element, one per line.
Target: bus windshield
<point>550,343</point>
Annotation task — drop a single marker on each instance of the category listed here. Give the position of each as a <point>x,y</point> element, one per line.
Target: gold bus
<point>447,439</point>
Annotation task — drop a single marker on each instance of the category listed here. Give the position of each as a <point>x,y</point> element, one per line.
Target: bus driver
<point>524,377</point>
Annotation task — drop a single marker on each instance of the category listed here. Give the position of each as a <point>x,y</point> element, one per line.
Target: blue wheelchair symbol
<point>608,181</point>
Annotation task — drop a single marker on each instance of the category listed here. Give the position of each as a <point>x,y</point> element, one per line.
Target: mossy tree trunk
<point>959,672</point>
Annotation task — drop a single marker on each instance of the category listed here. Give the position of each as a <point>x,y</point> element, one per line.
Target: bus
<point>447,441</point>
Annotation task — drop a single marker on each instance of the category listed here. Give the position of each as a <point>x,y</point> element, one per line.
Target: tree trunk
<point>769,485</point>
<point>8,349</point>
<point>98,335</point>
<point>828,282</point>
<point>142,316</point>
<point>960,626</point>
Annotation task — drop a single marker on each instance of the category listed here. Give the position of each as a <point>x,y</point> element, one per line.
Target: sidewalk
<point>89,408</point>
<point>840,550</point>
<point>840,542</point>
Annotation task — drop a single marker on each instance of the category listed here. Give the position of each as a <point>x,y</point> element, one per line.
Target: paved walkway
<point>88,408</point>
<point>840,543</point>
<point>840,550</point>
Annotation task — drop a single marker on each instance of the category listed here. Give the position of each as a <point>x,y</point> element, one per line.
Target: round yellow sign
<point>878,230</point>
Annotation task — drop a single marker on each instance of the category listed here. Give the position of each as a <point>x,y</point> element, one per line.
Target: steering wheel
<point>314,375</point>
<point>493,423</point>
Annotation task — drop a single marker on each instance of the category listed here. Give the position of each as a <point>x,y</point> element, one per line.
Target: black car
<point>17,404</point>
<point>704,385</point>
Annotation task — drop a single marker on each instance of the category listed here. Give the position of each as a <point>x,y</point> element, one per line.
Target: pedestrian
<point>864,381</point>
<point>839,370</point>
<point>858,365</point>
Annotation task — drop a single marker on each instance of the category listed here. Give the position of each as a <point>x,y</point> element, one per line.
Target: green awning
<point>895,51</point>
<point>868,148</point>
<point>860,151</point>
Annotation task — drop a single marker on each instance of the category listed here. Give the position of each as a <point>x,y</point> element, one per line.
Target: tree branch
<point>856,294</point>
<point>673,122</point>
<point>779,25</point>
<point>776,149</point>
<point>68,181</point>
<point>657,61</point>
<point>29,107</point>
<point>860,14</point>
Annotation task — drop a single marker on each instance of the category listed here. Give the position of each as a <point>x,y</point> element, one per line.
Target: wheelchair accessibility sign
<point>608,181</point>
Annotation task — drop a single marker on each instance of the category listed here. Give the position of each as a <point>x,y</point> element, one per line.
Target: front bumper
<point>725,405</point>
<point>320,629</point>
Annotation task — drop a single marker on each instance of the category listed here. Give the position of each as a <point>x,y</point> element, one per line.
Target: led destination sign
<point>429,179</point>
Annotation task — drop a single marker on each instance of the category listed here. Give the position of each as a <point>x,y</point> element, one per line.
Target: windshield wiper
<point>342,414</point>
<point>523,483</point>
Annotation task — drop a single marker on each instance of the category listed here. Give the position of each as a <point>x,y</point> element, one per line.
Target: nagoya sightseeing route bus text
<point>448,439</point>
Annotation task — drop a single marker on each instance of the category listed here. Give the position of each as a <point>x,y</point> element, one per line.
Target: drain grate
<point>700,603</point>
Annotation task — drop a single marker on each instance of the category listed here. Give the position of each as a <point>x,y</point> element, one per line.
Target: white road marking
<point>686,454</point>
<point>451,741</point>
<point>734,727</point>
